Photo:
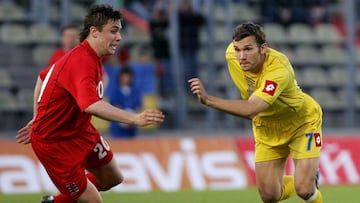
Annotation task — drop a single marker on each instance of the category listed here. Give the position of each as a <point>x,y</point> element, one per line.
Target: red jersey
<point>70,85</point>
<point>56,55</point>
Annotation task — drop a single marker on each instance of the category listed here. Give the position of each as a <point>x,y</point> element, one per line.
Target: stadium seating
<point>338,76</point>
<point>290,53</point>
<point>5,79</point>
<point>77,12</point>
<point>223,77</point>
<point>327,33</point>
<point>14,34</point>
<point>54,13</point>
<point>222,36</point>
<point>43,33</point>
<point>301,33</point>
<point>275,33</point>
<point>244,13</point>
<point>342,92</point>
<point>306,54</point>
<point>133,35</point>
<point>219,14</point>
<point>331,54</point>
<point>328,99</point>
<point>314,76</point>
<point>7,102</point>
<point>41,54</point>
<point>26,99</point>
<point>9,11</point>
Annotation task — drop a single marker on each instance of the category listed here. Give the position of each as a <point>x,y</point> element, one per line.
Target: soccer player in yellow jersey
<point>285,120</point>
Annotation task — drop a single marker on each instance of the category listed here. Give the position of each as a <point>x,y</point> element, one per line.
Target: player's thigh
<point>90,195</point>
<point>102,164</point>
<point>269,177</point>
<point>306,141</point>
<point>305,170</point>
<point>108,175</point>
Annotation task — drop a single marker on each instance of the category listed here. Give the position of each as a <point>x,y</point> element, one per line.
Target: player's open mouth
<point>113,46</point>
<point>245,64</point>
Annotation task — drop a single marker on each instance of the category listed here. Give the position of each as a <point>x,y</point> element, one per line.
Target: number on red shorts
<point>102,148</point>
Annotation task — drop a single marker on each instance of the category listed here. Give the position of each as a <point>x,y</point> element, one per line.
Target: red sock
<point>61,198</point>
<point>92,179</point>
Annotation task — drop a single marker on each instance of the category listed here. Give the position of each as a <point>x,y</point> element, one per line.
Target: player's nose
<point>118,37</point>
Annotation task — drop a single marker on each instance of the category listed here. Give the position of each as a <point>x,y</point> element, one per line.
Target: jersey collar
<point>87,46</point>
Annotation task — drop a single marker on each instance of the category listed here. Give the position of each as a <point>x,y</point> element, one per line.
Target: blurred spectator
<point>144,71</point>
<point>142,8</point>
<point>190,23</point>
<point>299,11</point>
<point>159,25</point>
<point>70,36</point>
<point>112,67</point>
<point>124,95</point>
<point>338,21</point>
<point>145,79</point>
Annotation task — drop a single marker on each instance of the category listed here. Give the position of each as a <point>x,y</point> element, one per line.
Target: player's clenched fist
<point>198,88</point>
<point>149,117</point>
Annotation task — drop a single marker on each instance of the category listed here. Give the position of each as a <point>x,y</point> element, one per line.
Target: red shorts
<point>66,161</point>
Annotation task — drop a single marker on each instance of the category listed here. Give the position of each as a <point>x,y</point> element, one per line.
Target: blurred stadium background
<point>321,38</point>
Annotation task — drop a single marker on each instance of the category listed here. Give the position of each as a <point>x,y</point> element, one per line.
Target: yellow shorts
<point>300,136</point>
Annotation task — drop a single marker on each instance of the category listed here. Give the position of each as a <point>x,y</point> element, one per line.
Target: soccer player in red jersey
<point>69,39</point>
<point>66,95</point>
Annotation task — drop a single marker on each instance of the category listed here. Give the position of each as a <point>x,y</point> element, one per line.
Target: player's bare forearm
<point>242,108</point>
<point>23,135</point>
<point>36,95</point>
<point>106,111</point>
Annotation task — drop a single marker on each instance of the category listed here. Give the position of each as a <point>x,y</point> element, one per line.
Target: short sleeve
<point>42,73</point>
<point>87,85</point>
<point>273,84</point>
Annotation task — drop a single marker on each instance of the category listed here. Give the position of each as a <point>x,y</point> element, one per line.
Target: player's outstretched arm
<point>23,135</point>
<point>243,108</point>
<point>37,89</point>
<point>106,111</point>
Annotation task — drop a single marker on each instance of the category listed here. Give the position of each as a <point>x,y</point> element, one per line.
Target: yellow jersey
<point>275,84</point>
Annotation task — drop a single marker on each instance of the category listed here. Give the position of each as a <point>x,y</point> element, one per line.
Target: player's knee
<point>118,180</point>
<point>305,191</point>
<point>113,181</point>
<point>269,197</point>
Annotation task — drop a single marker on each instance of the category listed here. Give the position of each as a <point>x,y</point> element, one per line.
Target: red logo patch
<point>317,137</point>
<point>270,87</point>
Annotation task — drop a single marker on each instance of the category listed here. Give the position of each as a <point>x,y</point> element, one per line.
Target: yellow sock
<point>316,198</point>
<point>288,188</point>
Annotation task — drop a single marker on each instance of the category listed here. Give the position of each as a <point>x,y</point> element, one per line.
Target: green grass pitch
<point>331,194</point>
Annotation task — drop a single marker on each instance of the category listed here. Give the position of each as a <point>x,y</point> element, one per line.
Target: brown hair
<point>249,29</point>
<point>98,16</point>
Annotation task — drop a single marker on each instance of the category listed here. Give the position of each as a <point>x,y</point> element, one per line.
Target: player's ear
<point>263,48</point>
<point>93,32</point>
